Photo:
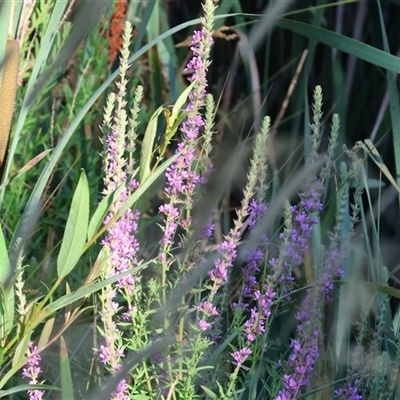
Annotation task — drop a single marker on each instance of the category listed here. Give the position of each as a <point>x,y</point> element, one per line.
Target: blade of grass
<point>393,101</point>
<point>343,43</point>
<point>24,388</point>
<point>67,388</point>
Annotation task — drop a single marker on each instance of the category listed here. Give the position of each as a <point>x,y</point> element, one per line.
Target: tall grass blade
<point>67,388</point>
<point>343,43</point>
<point>23,388</point>
<point>393,101</point>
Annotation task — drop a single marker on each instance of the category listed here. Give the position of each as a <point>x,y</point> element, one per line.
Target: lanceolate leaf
<point>180,102</point>
<point>147,146</point>
<point>46,333</point>
<point>7,293</point>
<point>5,265</point>
<point>76,229</point>
<point>174,118</point>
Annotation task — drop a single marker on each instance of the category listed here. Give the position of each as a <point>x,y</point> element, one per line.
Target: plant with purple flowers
<point>32,371</point>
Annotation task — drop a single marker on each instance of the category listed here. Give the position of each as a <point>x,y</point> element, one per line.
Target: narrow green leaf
<point>66,380</point>
<point>46,333</point>
<point>75,230</point>
<point>174,119</point>
<point>393,101</point>
<point>343,43</point>
<point>103,209</point>
<point>209,392</point>
<point>148,145</point>
<point>24,388</point>
<point>6,293</point>
<point>86,291</point>
<point>380,287</point>
<point>180,102</point>
<point>21,350</point>
<point>8,321</point>
<point>370,149</point>
<point>5,265</point>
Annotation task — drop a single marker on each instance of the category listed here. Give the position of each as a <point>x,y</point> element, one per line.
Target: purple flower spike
<point>32,371</point>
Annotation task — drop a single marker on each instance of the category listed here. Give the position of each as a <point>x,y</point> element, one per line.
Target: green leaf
<point>209,392</point>
<point>370,149</point>
<point>21,350</point>
<point>6,312</point>
<point>5,265</point>
<point>6,294</point>
<point>175,118</point>
<point>66,380</point>
<point>75,230</point>
<point>86,291</point>
<point>180,102</point>
<point>104,207</point>
<point>24,388</point>
<point>46,333</point>
<point>148,145</point>
<point>343,43</point>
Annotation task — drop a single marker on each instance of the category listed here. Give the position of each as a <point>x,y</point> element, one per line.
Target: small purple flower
<point>349,391</point>
<point>254,326</point>
<point>283,395</point>
<point>219,275</point>
<point>204,325</point>
<point>257,211</point>
<point>121,392</point>
<point>241,355</point>
<point>207,308</point>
